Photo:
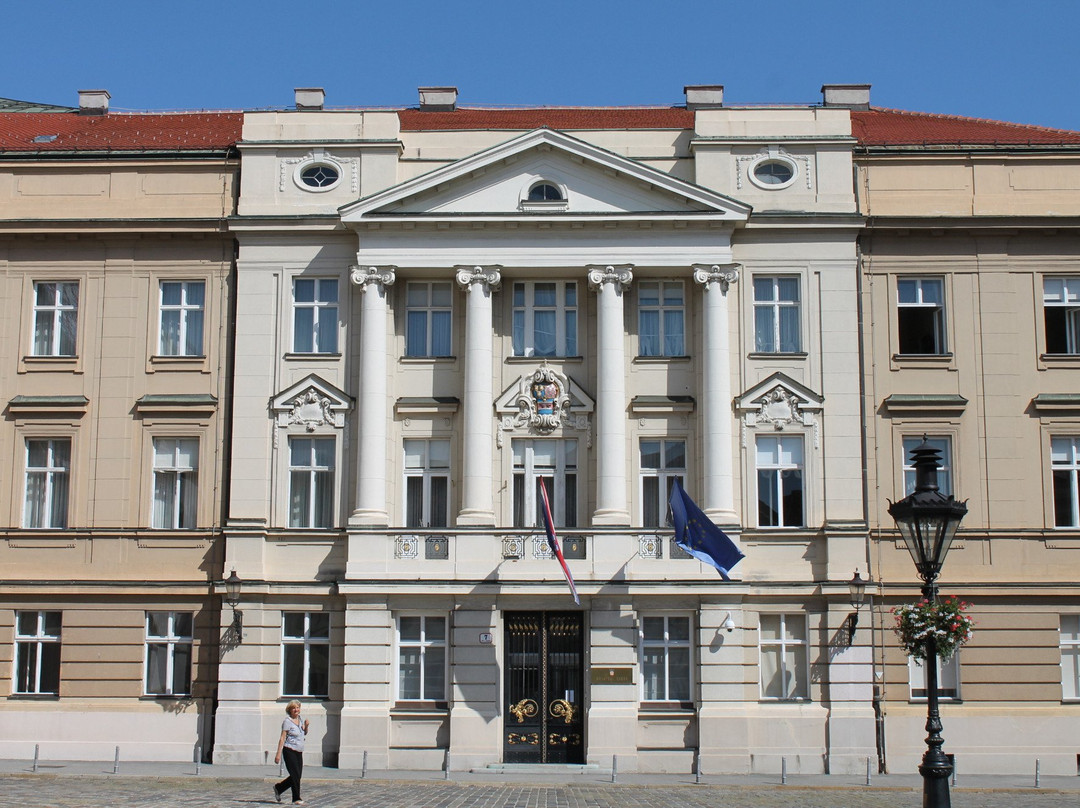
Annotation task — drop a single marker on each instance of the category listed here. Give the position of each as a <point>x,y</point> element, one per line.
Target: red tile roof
<point>415,120</point>
<point>893,127</point>
<point>119,132</point>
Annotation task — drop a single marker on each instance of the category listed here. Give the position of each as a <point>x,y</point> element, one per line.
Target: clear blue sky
<point>1013,61</point>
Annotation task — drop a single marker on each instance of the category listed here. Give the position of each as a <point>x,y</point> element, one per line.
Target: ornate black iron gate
<point>545,716</point>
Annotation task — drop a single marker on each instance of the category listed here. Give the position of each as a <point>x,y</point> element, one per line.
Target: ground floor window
<point>421,658</point>
<point>169,644</point>
<point>37,652</point>
<point>948,678</point>
<point>785,672</point>
<point>305,654</point>
<point>665,658</point>
<point>1070,657</point>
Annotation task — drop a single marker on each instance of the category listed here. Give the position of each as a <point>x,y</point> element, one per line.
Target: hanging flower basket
<point>946,620</point>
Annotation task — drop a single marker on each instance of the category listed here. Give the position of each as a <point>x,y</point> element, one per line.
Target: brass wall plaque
<point>612,676</point>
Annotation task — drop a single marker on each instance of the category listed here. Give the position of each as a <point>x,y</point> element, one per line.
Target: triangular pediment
<point>591,181</point>
<point>772,386</point>
<point>312,403</point>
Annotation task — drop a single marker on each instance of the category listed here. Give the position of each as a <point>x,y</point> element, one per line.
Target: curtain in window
<point>157,661</point>
<point>67,332</point>
<point>673,334</point>
<point>544,333</point>
<point>416,333</point>
<point>649,333</point>
<point>678,674</point>
<point>193,337</point>
<point>164,498</point>
<point>789,329</point>
<point>434,672</point>
<point>189,499</point>
<point>409,672</point>
<point>170,332</point>
<point>763,329</point>
<point>652,674</point>
<point>35,499</point>
<point>304,330</point>
<point>327,339</point>
<point>181,681</point>
<point>440,333</point>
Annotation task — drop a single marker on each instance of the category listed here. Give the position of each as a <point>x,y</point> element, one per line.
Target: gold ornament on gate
<point>526,708</point>
<point>560,708</point>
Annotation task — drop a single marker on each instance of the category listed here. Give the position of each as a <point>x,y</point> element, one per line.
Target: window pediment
<point>543,401</point>
<point>778,403</point>
<point>311,403</point>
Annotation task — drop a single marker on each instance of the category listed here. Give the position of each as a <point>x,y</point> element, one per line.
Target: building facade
<point>345,355</point>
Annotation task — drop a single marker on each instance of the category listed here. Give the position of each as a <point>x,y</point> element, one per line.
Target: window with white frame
<point>1065,467</point>
<point>1070,657</point>
<point>311,482</point>
<point>545,318</point>
<point>421,658</point>
<point>56,314</point>
<point>948,676</point>
<point>37,652</point>
<point>315,315</point>
<point>427,483</point>
<point>779,465</point>
<point>944,475</point>
<point>169,642</point>
<point>1061,312</point>
<point>784,663</point>
<point>665,658</point>
<point>182,305</point>
<point>661,318</point>
<point>428,319</point>
<point>554,462</point>
<point>176,483</point>
<point>662,461</point>
<point>305,654</point>
<point>920,315</point>
<point>777,327</point>
<point>48,471</point>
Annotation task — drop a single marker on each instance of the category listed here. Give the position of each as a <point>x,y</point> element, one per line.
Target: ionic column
<point>478,446</point>
<point>609,282</point>
<point>374,415</point>
<point>719,483</point>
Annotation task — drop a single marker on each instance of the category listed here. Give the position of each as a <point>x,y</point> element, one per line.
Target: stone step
<point>537,768</point>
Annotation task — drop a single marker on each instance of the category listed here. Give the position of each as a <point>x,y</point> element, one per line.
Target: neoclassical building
<point>414,320</point>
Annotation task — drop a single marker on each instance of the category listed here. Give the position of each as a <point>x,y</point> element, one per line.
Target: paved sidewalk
<point>165,785</point>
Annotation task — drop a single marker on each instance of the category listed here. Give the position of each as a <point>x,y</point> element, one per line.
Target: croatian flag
<point>553,541</point>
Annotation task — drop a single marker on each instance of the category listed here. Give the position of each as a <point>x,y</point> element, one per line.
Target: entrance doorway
<point>545,715</point>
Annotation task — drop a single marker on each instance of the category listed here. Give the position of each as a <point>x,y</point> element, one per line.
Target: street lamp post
<point>928,521</point>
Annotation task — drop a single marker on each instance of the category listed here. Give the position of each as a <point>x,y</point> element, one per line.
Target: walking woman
<point>291,746</point>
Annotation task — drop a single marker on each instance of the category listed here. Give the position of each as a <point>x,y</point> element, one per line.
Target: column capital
<point>490,275</point>
<point>724,274</point>
<point>363,275</point>
<point>619,274</point>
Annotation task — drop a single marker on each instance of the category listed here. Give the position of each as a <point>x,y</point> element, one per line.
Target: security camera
<point>728,625</point>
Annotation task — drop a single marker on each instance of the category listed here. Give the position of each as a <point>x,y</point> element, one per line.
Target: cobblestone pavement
<point>46,791</point>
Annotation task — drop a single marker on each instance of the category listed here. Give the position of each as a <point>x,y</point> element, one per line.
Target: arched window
<point>545,192</point>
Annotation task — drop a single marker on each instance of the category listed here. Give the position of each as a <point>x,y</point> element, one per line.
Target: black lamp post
<point>857,592</point>
<point>928,521</point>
<point>232,597</point>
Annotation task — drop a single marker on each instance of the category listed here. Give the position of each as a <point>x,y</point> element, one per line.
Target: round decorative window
<point>545,192</point>
<point>773,173</point>
<point>320,176</point>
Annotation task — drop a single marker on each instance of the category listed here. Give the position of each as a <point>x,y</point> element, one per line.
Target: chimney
<point>93,102</point>
<point>309,98</point>
<point>438,99</point>
<point>704,96</point>
<point>846,96</point>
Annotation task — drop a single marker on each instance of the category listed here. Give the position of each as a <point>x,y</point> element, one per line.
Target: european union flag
<point>695,533</point>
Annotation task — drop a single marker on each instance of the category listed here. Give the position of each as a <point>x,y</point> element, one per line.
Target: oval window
<point>319,175</point>
<point>774,172</point>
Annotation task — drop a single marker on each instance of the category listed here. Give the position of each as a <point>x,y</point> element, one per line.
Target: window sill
<point>664,708</point>
<point>659,360</point>
<point>784,701</point>
<point>524,360</point>
<point>917,360</point>
<point>427,360</point>
<point>438,708</point>
<point>50,363</point>
<point>152,697</point>
<point>1062,360</point>
<point>302,699</point>
<point>777,355</point>
<point>295,357</point>
<point>34,697</point>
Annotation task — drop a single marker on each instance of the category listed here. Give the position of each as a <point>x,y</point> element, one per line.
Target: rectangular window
<point>311,482</point>
<point>780,481</point>
<point>48,468</point>
<point>662,462</point>
<point>554,462</point>
<point>305,654</point>
<point>665,658</point>
<point>1065,466</point>
<point>1070,657</point>
<point>785,672</point>
<point>176,483</point>
<point>37,652</point>
<point>315,315</point>
<point>545,319</point>
<point>427,318</point>
<point>56,314</point>
<point>661,330</point>
<point>182,318</point>
<point>427,483</point>
<point>921,315</point>
<point>421,658</point>
<point>169,642</point>
<point>1061,309</point>
<point>776,314</point>
<point>948,678</point>
<point>944,474</point>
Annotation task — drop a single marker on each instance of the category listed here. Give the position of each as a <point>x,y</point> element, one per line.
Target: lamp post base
<point>935,776</point>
